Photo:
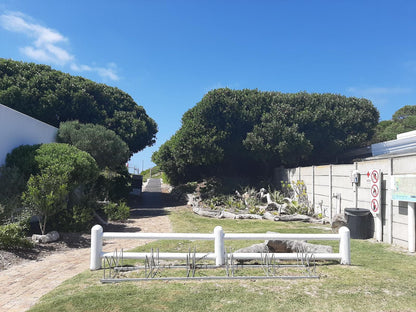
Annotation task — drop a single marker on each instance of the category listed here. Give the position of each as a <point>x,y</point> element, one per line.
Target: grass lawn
<point>379,279</point>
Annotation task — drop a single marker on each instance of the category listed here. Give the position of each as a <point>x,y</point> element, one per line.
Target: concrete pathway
<point>22,285</point>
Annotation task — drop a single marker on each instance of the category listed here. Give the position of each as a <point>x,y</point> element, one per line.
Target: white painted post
<point>96,247</point>
<point>389,203</point>
<point>313,189</point>
<point>344,245</point>
<point>219,246</point>
<point>355,188</point>
<point>330,193</point>
<point>411,226</point>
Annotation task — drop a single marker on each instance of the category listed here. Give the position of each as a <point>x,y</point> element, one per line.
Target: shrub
<point>46,194</point>
<point>12,184</point>
<point>23,158</point>
<point>107,148</point>
<point>12,236</point>
<point>117,212</point>
<point>63,185</point>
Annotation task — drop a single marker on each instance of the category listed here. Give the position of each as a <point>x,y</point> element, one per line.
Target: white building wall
<point>19,129</point>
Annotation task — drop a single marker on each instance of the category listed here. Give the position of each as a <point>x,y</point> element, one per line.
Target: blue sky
<point>168,54</point>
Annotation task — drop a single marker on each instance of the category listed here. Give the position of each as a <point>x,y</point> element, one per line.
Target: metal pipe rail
<point>219,255</point>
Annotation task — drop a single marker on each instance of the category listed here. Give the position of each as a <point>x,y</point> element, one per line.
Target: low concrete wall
<point>324,183</point>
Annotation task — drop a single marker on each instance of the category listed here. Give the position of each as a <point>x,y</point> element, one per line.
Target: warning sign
<point>374,190</point>
<point>375,206</point>
<point>374,177</point>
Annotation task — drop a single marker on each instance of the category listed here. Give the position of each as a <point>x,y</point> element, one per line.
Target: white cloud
<point>109,72</point>
<point>46,45</point>
<point>45,41</point>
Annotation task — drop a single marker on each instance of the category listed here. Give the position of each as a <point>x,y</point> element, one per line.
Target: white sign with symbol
<point>374,176</point>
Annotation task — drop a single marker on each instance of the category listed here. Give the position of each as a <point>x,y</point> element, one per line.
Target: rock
<point>47,238</point>
<point>269,216</point>
<point>206,213</point>
<point>256,248</point>
<point>338,221</point>
<point>248,216</point>
<point>294,217</point>
<point>227,215</point>
<point>286,246</point>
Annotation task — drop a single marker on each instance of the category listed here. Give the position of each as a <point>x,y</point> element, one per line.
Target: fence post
<point>96,247</point>
<point>219,246</point>
<point>344,245</point>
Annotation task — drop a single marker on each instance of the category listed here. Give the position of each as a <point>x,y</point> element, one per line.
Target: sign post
<point>375,177</point>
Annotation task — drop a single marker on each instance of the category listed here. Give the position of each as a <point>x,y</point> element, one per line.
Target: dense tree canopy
<point>52,96</point>
<point>233,131</point>
<point>104,145</point>
<point>403,120</point>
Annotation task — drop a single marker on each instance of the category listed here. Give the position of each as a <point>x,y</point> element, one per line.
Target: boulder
<point>47,238</point>
<point>269,216</point>
<point>227,215</point>
<point>256,248</point>
<point>294,217</point>
<point>338,221</point>
<point>206,213</point>
<point>286,246</point>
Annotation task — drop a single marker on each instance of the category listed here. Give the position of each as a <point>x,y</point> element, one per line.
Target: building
<point>19,129</point>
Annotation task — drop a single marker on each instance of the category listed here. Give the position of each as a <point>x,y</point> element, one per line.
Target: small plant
<point>46,194</point>
<point>296,191</point>
<point>214,202</point>
<point>230,202</point>
<point>276,196</point>
<point>12,236</point>
<point>117,212</point>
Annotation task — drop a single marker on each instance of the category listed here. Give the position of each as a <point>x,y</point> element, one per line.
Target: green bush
<point>12,184</point>
<point>117,212</point>
<point>23,157</point>
<point>12,236</point>
<point>64,184</point>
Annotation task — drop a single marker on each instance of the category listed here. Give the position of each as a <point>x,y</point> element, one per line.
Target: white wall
<point>322,182</point>
<point>19,129</point>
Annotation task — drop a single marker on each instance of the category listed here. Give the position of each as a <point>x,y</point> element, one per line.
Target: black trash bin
<point>359,222</point>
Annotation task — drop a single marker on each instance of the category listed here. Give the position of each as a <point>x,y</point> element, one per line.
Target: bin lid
<point>357,211</point>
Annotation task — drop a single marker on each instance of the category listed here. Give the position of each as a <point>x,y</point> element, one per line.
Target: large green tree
<point>53,96</point>
<point>231,132</point>
<point>403,120</point>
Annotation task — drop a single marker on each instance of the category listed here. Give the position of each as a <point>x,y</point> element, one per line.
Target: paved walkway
<point>22,285</point>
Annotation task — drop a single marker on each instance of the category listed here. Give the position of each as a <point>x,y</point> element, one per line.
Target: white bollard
<point>219,246</point>
<point>344,245</point>
<point>96,247</point>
